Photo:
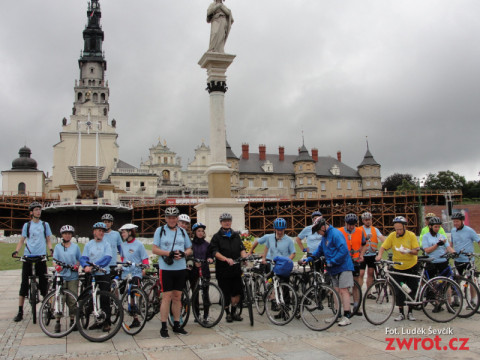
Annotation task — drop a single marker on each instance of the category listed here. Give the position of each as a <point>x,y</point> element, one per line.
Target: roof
<point>230,153</point>
<point>123,165</point>
<point>368,159</point>
<point>303,155</point>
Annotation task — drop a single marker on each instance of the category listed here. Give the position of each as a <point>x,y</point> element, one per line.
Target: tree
<point>407,186</point>
<point>471,190</point>
<point>445,180</point>
<point>392,182</point>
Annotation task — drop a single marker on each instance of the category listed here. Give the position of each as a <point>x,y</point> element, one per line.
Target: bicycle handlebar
<point>129,263</point>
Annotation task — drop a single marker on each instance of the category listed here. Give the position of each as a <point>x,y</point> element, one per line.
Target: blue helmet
<point>280,224</point>
<point>100,225</point>
<point>351,219</point>
<point>316,213</point>
<point>198,225</point>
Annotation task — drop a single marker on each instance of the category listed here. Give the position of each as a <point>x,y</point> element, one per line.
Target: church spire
<point>93,34</point>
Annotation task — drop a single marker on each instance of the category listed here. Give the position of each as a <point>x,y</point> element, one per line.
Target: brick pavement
<point>238,340</point>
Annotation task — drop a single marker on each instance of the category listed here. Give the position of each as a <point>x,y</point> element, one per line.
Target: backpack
<point>44,229</point>
<point>283,266</point>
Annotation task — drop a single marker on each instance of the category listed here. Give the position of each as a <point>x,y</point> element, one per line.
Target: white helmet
<point>128,227</point>
<point>184,217</point>
<point>67,228</point>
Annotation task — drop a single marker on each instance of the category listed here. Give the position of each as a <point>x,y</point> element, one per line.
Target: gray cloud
<point>405,73</point>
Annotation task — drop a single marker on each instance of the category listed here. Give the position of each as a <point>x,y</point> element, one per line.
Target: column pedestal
<point>209,212</point>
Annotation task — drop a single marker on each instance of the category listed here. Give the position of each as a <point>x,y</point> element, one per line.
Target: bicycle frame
<point>411,301</point>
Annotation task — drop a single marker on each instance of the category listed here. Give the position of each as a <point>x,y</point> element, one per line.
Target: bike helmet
<point>34,205</point>
<point>171,211</point>
<point>316,213</point>
<point>458,216</point>
<point>435,221</point>
<point>198,225</point>
<point>184,217</point>
<point>430,215</point>
<point>107,217</point>
<point>100,225</point>
<point>67,228</point>
<point>317,225</point>
<point>280,224</point>
<point>400,219</point>
<point>225,216</point>
<point>366,215</point>
<point>128,227</point>
<point>351,219</point>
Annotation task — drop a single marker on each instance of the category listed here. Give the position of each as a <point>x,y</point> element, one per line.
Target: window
<point>102,96</point>
<point>309,181</point>
<point>142,183</point>
<point>339,185</point>
<point>300,195</point>
<point>95,97</point>
<point>250,183</point>
<point>292,184</point>
<point>127,185</point>
<point>280,183</point>
<point>323,186</point>
<point>349,185</point>
<point>241,182</point>
<point>368,183</point>
<point>300,167</point>
<point>375,183</point>
<point>264,183</point>
<point>360,185</point>
<point>79,96</point>
<point>309,195</point>
<point>91,70</point>
<point>300,181</point>
<point>21,188</point>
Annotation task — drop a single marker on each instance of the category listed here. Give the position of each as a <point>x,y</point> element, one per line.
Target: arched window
<point>103,96</point>
<point>79,96</point>
<point>95,97</point>
<point>21,188</point>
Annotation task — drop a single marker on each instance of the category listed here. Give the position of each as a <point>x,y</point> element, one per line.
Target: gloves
<point>75,267</point>
<point>304,250</point>
<point>58,268</point>
<point>15,254</point>
<point>440,243</point>
<point>51,252</point>
<point>171,255</point>
<point>182,254</point>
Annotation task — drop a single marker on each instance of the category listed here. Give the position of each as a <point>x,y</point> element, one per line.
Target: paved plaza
<point>237,340</point>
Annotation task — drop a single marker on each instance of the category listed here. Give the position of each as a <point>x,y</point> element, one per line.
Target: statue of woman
<point>221,19</point>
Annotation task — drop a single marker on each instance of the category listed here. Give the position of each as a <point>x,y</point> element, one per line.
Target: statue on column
<point>221,19</point>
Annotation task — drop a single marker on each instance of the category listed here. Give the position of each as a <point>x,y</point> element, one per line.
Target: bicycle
<point>468,282</point>
<point>303,280</point>
<point>133,299</point>
<point>248,286</point>
<point>430,295</point>
<point>99,313</point>
<point>208,302</point>
<point>281,300</point>
<point>58,308</point>
<point>33,286</point>
<point>320,305</point>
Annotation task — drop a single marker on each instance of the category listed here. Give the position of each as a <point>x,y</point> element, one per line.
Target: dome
<point>24,162</point>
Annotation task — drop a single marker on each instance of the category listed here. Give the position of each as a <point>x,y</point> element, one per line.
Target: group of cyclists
<point>348,252</point>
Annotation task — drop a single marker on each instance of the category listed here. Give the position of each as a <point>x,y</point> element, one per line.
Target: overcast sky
<point>405,73</point>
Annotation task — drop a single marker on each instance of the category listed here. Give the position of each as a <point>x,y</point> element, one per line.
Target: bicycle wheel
<point>96,325</point>
<point>437,298</point>
<point>355,297</point>
<point>281,309</point>
<point>379,302</point>
<point>471,296</point>
<point>249,299</point>
<point>259,294</point>
<point>58,321</point>
<point>33,299</point>
<point>184,311</point>
<point>153,299</point>
<point>320,307</point>
<point>208,304</point>
<point>134,311</point>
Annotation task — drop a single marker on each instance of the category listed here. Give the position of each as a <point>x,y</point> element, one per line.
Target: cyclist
<point>405,247</point>
<point>133,251</point>
<point>356,240</point>
<point>68,253</point>
<point>226,247</point>
<point>99,252</point>
<point>115,240</point>
<point>373,237</point>
<point>172,243</point>
<point>313,239</point>
<point>463,238</point>
<point>278,243</point>
<point>338,261</point>
<point>426,229</point>
<point>184,221</point>
<point>36,236</point>
<point>201,250</point>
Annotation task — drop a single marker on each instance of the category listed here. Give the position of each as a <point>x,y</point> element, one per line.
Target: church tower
<point>87,151</point>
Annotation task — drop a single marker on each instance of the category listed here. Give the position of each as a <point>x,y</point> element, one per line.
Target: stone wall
<point>473,213</point>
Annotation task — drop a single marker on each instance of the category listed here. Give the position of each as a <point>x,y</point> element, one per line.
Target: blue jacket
<point>334,248</point>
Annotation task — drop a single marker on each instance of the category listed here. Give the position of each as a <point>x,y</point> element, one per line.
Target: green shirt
<point>426,230</point>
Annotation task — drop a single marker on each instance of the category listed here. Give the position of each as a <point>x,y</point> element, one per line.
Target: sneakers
<point>437,309</point>
<point>19,317</point>
<point>57,327</point>
<point>164,333</point>
<point>106,327</point>
<point>135,323</point>
<point>180,331</point>
<point>237,317</point>
<point>411,317</point>
<point>331,319</point>
<point>400,317</point>
<point>95,326</point>
<point>280,315</point>
<point>344,321</point>
<point>229,318</point>
<point>358,313</point>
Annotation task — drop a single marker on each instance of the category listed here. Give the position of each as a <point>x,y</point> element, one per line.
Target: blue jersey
<point>463,240</point>
<point>97,252</point>
<point>263,241</point>
<point>115,240</point>
<point>134,252</point>
<point>36,243</point>
<point>68,255</point>
<point>313,240</point>
<point>429,240</point>
<point>164,239</point>
<point>282,247</point>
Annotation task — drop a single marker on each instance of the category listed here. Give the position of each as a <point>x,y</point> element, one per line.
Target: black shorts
<point>356,269</point>
<point>461,266</point>
<point>437,269</point>
<point>231,286</point>
<point>368,261</point>
<point>40,272</point>
<point>173,279</point>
